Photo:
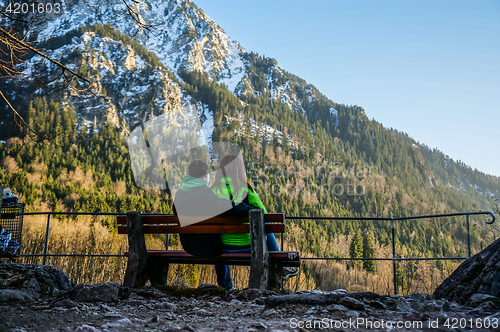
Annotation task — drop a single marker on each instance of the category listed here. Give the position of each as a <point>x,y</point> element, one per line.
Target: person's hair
<point>234,168</point>
<point>197,169</point>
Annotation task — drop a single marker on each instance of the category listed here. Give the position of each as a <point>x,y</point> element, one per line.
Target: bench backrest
<point>169,224</point>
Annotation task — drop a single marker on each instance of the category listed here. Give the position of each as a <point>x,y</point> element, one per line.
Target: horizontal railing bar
<point>448,215</point>
<point>75,213</point>
<point>344,259</point>
<point>67,255</point>
<point>379,259</point>
<point>397,218</point>
<point>339,218</point>
<point>429,258</point>
<point>286,217</point>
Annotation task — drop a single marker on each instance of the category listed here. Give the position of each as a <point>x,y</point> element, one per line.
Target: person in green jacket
<point>238,190</point>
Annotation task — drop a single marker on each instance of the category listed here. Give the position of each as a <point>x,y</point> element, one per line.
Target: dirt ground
<point>242,311</point>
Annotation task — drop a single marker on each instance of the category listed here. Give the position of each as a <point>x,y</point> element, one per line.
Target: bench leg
<point>259,267</point>
<point>275,281</point>
<point>136,273</point>
<point>157,271</point>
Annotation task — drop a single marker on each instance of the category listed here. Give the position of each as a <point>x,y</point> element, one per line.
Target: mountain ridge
<point>195,42</point>
<point>306,155</point>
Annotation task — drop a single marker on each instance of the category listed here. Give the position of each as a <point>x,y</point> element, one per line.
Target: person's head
<point>232,167</point>
<point>198,169</point>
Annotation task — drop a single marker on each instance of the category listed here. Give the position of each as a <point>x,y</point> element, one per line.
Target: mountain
<point>307,155</point>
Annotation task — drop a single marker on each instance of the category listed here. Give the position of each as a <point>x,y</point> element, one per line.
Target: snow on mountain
<point>128,90</point>
<point>181,35</point>
<point>251,128</point>
<point>286,94</point>
<point>207,127</point>
<point>334,116</point>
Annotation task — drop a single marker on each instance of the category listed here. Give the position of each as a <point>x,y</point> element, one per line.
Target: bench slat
<point>286,258</point>
<point>288,255</point>
<point>203,229</point>
<point>171,219</point>
<point>222,261</point>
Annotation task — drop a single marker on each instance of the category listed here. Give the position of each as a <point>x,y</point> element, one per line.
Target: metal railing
<point>47,234</point>
<point>394,258</point>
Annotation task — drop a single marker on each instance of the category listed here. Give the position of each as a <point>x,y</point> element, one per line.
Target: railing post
<point>259,266</point>
<point>394,257</point>
<point>468,233</point>
<point>46,240</point>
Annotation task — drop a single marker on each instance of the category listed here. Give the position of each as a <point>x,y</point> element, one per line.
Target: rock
<point>104,292</point>
<point>235,302</point>
<point>376,304</point>
<point>149,293</point>
<point>32,281</point>
<point>173,329</point>
<point>169,316</point>
<point>124,322</point>
<point>165,305</point>
<point>14,295</point>
<point>353,304</point>
<point>66,303</point>
<point>32,287</point>
<point>488,306</point>
<point>229,297</point>
<point>87,328</point>
<point>207,285</point>
<point>435,306</point>
<point>269,312</point>
<point>403,305</point>
<point>479,274</point>
<point>105,307</point>
<point>253,293</point>
<point>337,308</point>
<point>477,299</point>
<point>323,298</point>
<point>361,295</point>
<point>260,326</point>
<point>421,297</point>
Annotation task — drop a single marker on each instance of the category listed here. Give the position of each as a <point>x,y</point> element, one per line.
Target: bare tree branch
<point>15,49</point>
<point>26,45</point>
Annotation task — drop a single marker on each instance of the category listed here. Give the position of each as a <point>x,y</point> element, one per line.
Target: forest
<point>315,163</point>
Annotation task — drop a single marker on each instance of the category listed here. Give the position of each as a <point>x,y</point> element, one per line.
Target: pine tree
<point>401,279</point>
<point>356,250</point>
<point>368,252</point>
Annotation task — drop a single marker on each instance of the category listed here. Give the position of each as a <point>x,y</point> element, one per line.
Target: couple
<point>234,188</point>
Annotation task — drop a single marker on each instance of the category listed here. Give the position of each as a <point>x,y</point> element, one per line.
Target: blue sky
<point>427,68</point>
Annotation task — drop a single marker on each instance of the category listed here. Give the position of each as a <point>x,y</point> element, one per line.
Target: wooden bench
<point>265,266</point>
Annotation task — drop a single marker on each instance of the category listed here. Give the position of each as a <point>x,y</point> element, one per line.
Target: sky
<point>427,68</point>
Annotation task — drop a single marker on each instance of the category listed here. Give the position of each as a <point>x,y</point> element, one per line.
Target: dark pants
<point>222,271</point>
<point>201,244</point>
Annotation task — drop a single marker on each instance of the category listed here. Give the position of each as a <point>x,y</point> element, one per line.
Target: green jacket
<point>222,190</point>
